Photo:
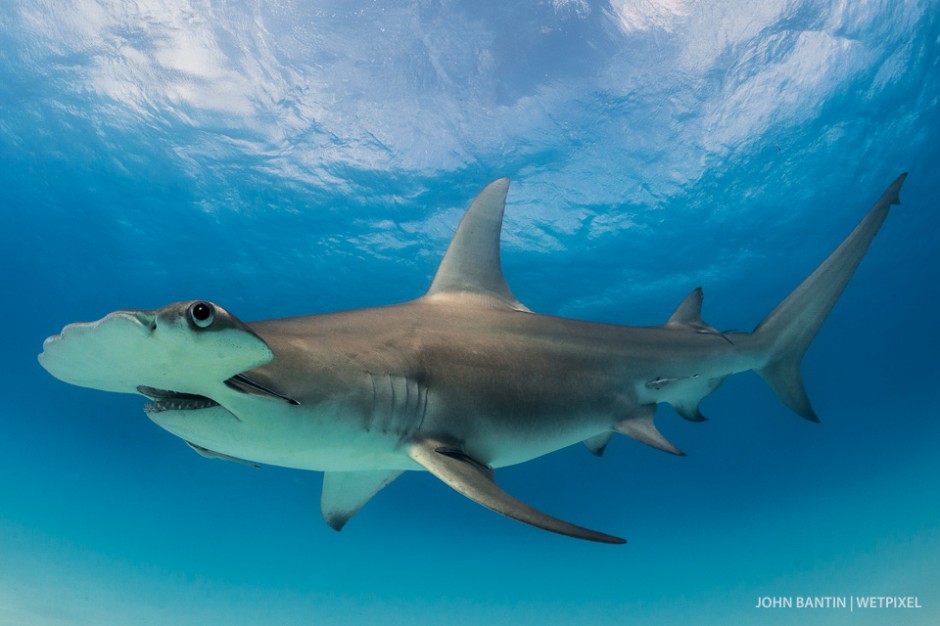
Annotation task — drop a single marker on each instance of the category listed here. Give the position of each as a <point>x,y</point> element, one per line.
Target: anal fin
<point>689,411</point>
<point>344,493</point>
<point>475,480</point>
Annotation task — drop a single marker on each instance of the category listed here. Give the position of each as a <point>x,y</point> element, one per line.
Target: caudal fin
<point>791,326</point>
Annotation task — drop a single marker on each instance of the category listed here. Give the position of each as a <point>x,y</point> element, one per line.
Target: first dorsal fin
<point>471,264</point>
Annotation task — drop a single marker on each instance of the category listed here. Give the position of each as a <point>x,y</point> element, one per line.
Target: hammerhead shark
<point>458,382</point>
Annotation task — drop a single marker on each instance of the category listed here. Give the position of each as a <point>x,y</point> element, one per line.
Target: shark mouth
<point>164,400</point>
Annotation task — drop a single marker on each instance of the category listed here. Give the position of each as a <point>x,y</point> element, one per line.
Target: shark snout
<point>187,347</point>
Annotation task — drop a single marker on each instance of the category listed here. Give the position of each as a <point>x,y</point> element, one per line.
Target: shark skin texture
<point>458,382</point>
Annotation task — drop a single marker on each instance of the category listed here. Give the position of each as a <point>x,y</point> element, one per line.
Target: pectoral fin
<point>242,383</point>
<point>475,480</point>
<point>344,493</point>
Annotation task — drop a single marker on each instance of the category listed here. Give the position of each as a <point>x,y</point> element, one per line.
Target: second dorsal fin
<point>689,311</point>
<point>471,264</point>
<point>688,315</point>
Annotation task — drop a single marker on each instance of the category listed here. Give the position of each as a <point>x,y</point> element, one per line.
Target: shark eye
<point>202,314</point>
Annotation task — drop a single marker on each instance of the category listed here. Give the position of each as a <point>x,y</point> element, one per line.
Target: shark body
<point>458,382</point>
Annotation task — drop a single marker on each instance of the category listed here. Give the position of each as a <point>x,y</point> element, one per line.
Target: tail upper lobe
<point>786,333</point>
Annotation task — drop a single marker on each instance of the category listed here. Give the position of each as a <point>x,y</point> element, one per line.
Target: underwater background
<point>291,157</point>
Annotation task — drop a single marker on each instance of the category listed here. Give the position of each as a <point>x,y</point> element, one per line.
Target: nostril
<point>147,319</point>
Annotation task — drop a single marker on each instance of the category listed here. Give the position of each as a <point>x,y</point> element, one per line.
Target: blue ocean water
<point>299,157</point>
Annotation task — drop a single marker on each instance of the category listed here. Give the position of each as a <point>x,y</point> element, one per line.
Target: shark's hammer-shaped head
<point>180,356</point>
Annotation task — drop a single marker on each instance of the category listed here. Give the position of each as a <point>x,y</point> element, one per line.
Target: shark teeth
<point>179,405</point>
<point>164,400</point>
